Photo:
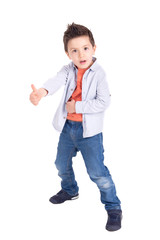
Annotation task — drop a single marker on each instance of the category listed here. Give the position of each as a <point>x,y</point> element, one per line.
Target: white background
<point>31,51</point>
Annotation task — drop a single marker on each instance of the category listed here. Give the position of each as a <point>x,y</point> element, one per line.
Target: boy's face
<point>81,51</point>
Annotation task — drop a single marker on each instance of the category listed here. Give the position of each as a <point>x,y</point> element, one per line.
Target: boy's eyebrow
<point>82,46</point>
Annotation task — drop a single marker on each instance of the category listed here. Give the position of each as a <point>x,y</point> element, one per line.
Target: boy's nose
<point>81,54</point>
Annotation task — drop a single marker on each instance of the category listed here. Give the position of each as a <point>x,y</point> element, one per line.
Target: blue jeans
<point>70,142</point>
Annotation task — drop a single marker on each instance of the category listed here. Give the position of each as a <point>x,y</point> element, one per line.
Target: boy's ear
<point>68,55</point>
<point>94,48</point>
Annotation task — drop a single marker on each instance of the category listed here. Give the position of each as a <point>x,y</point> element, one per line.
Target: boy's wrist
<point>43,92</point>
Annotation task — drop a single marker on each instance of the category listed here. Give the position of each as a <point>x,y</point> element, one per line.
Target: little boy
<point>79,119</point>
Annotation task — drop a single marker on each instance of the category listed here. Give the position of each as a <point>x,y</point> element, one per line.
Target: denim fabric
<point>70,142</point>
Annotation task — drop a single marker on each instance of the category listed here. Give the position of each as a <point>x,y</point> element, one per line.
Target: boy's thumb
<point>33,88</point>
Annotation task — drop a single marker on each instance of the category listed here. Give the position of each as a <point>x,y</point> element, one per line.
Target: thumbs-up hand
<point>37,94</point>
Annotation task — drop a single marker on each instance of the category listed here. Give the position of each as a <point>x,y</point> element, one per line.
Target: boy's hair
<point>76,30</point>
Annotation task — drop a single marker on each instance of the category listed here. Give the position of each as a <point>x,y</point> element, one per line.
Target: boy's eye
<point>74,51</point>
<point>86,48</point>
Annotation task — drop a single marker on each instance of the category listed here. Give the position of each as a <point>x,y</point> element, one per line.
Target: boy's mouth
<point>83,62</point>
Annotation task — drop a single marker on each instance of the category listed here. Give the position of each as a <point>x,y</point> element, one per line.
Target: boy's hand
<point>37,94</point>
<point>70,106</point>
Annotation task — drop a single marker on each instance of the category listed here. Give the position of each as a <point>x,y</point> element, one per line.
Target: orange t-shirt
<point>77,96</point>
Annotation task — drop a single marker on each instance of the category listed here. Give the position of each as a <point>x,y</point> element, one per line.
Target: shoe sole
<point>54,202</point>
<point>110,229</point>
<point>74,198</point>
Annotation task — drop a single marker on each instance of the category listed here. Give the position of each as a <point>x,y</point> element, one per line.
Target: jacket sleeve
<point>54,83</point>
<point>101,101</point>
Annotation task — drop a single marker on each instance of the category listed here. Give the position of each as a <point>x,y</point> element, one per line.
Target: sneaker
<point>61,197</point>
<point>114,220</point>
